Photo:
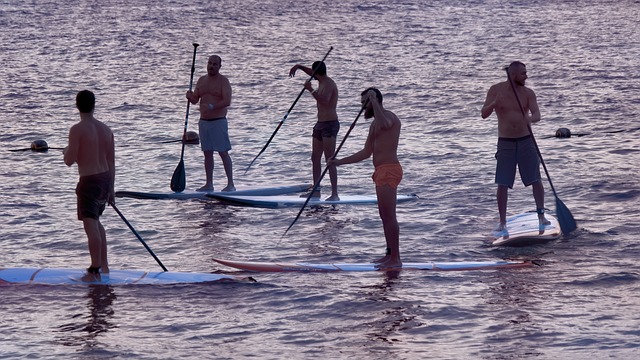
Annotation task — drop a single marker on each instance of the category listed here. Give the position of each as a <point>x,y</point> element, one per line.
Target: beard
<point>519,82</point>
<point>368,113</point>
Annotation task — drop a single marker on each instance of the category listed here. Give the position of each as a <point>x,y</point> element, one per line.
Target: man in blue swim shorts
<point>515,143</point>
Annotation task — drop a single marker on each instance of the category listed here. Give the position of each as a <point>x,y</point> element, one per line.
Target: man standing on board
<point>382,143</point>
<point>325,131</point>
<point>91,146</point>
<point>213,91</point>
<point>515,142</point>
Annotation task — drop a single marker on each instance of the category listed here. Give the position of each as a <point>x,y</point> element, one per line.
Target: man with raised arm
<point>325,131</point>
<point>382,143</point>
<point>91,146</point>
<point>515,143</point>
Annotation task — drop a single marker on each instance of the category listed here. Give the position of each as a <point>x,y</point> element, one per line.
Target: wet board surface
<point>524,230</point>
<point>192,194</point>
<point>278,201</point>
<point>57,276</point>
<point>330,267</point>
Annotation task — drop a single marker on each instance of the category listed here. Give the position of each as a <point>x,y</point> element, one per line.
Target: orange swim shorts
<point>388,174</point>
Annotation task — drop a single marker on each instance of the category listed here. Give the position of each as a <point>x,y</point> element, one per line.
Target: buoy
<point>563,133</point>
<point>191,137</point>
<point>39,145</point>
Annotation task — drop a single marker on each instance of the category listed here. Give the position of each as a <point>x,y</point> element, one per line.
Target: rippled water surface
<point>434,61</point>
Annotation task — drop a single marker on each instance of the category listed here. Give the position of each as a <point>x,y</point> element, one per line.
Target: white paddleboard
<point>55,276</point>
<point>277,201</point>
<point>192,194</point>
<point>525,229</point>
<point>318,267</point>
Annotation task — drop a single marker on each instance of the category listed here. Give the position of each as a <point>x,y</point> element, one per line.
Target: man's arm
<point>533,107</point>
<point>194,96</point>
<point>71,150</point>
<point>365,153</point>
<point>111,160</point>
<point>225,100</point>
<point>293,70</point>
<point>489,103</point>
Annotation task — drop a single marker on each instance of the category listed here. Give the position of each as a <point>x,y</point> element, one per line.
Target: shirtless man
<point>382,143</point>
<point>325,132</point>
<point>91,146</point>
<point>515,143</point>
<point>213,91</point>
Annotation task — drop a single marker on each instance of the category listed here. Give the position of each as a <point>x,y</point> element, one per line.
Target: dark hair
<point>378,93</point>
<point>85,101</point>
<point>515,64</point>
<point>320,68</point>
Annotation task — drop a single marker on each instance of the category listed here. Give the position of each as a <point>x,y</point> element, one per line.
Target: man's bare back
<point>91,146</point>
<point>327,100</point>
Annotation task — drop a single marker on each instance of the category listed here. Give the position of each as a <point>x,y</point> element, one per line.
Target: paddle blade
<point>567,223</point>
<point>179,178</point>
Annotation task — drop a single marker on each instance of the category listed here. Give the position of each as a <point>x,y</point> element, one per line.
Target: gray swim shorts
<point>521,152</point>
<point>214,134</point>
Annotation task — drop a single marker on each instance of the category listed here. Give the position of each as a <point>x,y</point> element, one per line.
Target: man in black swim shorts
<point>91,146</point>
<point>325,131</point>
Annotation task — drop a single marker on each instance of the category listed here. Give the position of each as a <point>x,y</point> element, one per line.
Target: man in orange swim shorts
<point>382,143</point>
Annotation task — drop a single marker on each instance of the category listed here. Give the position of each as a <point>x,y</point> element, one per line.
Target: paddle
<point>179,178</point>
<point>138,236</point>
<point>315,186</point>
<point>285,116</point>
<point>567,223</point>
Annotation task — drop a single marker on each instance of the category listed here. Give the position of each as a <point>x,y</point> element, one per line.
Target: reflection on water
<point>85,329</point>
<point>393,316</point>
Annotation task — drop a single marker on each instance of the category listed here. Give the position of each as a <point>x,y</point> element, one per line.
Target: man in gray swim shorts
<point>213,91</point>
<point>515,143</point>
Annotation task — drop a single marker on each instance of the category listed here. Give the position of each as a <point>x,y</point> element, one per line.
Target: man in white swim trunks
<point>213,91</point>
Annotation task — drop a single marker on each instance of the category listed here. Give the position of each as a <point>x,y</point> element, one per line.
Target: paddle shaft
<point>179,177</point>
<point>186,117</point>
<point>317,184</point>
<point>535,143</point>
<point>286,115</point>
<point>138,236</point>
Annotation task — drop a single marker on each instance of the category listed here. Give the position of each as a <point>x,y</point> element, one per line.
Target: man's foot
<point>314,194</point>
<point>229,188</point>
<point>333,198</point>
<point>501,230</point>
<point>92,275</point>
<point>543,220</point>
<point>381,260</point>
<point>206,188</point>
<point>390,264</point>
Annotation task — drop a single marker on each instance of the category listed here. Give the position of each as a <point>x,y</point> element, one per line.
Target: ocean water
<point>434,62</point>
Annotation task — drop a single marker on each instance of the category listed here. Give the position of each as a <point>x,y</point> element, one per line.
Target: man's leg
<point>228,170</point>
<point>329,148</point>
<point>538,196</point>
<point>316,166</point>
<point>502,196</point>
<point>208,171</point>
<point>387,209</point>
